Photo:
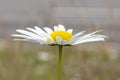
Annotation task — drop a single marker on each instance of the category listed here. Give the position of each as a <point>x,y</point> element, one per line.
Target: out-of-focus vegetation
<point>33,62</point>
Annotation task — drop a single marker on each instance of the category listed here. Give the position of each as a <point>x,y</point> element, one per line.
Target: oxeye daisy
<point>59,36</point>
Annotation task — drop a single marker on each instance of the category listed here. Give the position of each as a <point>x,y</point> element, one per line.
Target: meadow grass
<point>24,62</point>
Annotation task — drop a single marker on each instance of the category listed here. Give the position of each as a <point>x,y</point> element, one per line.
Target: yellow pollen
<point>64,35</point>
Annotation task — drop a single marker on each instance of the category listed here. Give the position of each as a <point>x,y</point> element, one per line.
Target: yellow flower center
<point>64,35</point>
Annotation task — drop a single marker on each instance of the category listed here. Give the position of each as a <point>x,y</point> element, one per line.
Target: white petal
<point>38,33</point>
<point>48,30</point>
<point>31,40</point>
<point>93,33</point>
<point>99,36</point>
<point>61,27</point>
<point>44,33</point>
<point>33,37</point>
<point>50,41</point>
<point>22,36</point>
<point>56,28</point>
<point>96,31</point>
<point>25,40</point>
<point>41,41</point>
<point>33,30</point>
<point>75,37</point>
<point>89,40</point>
<point>59,40</point>
<point>88,35</point>
<point>30,34</point>
<point>70,30</point>
<point>64,42</point>
<point>72,41</point>
<point>79,34</point>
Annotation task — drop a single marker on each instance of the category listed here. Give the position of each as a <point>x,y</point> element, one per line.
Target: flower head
<point>58,36</point>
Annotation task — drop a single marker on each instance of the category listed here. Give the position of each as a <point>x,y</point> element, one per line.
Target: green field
<point>36,62</point>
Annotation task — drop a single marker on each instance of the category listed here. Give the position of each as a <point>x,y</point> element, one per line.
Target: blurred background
<point>31,61</point>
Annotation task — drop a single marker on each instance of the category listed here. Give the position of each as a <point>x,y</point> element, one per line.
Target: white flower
<point>58,36</point>
<point>44,56</point>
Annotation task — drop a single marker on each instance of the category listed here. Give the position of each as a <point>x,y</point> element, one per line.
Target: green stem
<point>59,75</point>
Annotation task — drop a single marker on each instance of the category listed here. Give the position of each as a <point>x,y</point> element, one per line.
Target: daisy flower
<point>58,36</point>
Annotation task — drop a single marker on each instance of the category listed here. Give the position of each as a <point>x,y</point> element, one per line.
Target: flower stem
<point>59,75</point>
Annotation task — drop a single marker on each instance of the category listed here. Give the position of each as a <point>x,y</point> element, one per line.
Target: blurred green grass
<point>33,62</point>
